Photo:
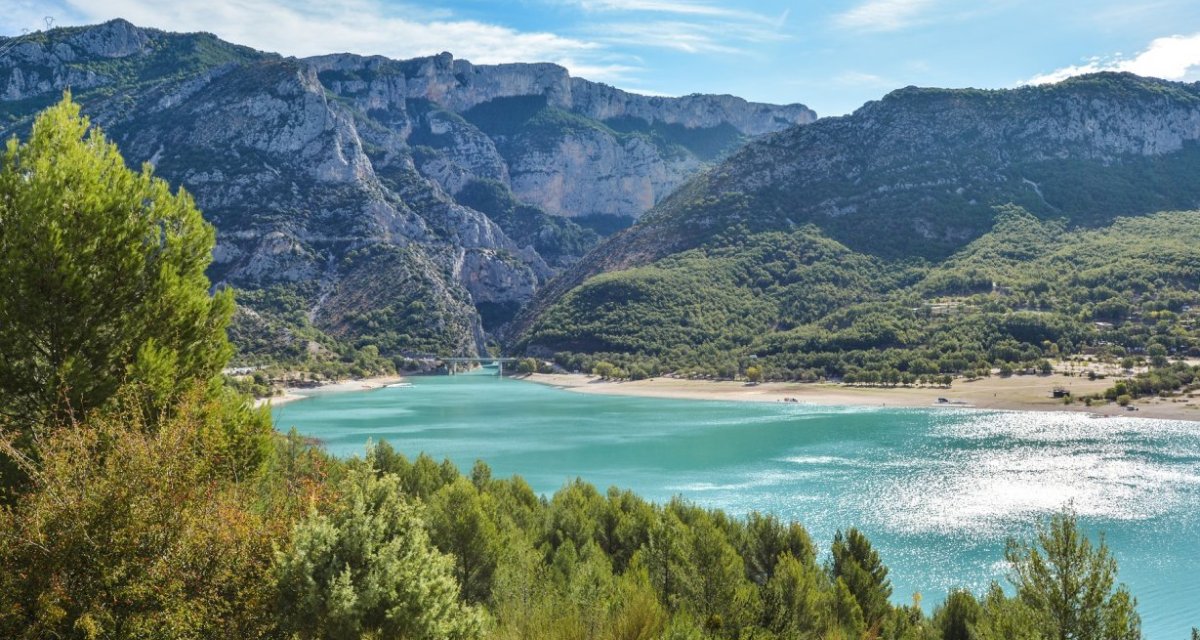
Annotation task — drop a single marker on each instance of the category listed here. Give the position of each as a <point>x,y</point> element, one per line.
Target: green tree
<point>766,540</point>
<point>665,558</point>
<point>1073,583</point>
<point>1158,355</point>
<point>955,618</point>
<point>103,277</point>
<point>793,601</point>
<point>1004,618</point>
<point>754,373</point>
<point>527,366</point>
<point>847,615</point>
<point>461,523</point>
<point>368,569</point>
<point>719,592</point>
<point>856,563</point>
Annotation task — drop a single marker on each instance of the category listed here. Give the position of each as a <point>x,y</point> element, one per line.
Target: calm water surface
<point>937,490</point>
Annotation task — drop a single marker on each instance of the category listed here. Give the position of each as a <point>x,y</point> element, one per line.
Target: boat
<point>401,385</point>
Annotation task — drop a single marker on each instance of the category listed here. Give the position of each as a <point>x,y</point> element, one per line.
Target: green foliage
<point>1073,584</point>
<point>960,613</point>
<point>134,527</point>
<point>527,366</point>
<point>796,599</point>
<point>1174,378</point>
<point>1004,618</point>
<point>854,563</point>
<point>104,277</point>
<point>1024,293</point>
<point>367,568</point>
<point>463,522</point>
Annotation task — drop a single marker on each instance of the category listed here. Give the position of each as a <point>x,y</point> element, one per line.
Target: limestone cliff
<point>339,185</point>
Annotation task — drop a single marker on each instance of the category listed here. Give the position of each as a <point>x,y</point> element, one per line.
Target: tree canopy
<point>103,277</point>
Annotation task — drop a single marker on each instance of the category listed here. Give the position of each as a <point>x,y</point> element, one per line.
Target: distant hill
<point>931,225</point>
<point>411,205</point>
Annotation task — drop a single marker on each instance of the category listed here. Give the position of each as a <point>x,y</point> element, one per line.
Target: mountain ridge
<point>911,179</point>
<point>314,169</point>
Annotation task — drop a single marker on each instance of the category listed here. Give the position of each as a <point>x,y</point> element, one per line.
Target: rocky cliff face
<point>590,149</point>
<point>335,182</point>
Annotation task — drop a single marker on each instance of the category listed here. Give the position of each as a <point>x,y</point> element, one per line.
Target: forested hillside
<point>801,306</point>
<point>934,232</point>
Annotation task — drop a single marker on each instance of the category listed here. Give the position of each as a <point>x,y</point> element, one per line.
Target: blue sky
<point>832,56</point>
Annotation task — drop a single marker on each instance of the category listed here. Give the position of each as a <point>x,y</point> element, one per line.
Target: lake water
<point>937,490</point>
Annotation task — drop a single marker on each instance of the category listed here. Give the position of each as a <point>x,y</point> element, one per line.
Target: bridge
<point>453,363</point>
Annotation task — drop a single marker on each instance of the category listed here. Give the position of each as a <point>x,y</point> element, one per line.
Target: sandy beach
<point>292,394</point>
<point>1016,393</point>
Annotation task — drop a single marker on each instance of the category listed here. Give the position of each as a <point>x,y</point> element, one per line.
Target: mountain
<point>410,205</point>
<point>838,246</point>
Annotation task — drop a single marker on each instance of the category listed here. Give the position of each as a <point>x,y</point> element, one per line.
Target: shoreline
<point>293,394</point>
<point>1016,393</point>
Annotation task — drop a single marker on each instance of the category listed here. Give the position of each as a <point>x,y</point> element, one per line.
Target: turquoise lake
<point>937,490</point>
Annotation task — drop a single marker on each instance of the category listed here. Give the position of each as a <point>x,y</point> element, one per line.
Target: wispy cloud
<point>884,15</point>
<point>678,7</point>
<point>686,36</point>
<point>687,26</point>
<point>1172,58</point>
<point>861,79</point>
<point>311,27</point>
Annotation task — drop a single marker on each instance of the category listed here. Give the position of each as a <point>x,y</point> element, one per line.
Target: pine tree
<point>369,570</point>
<point>857,564</point>
<point>102,277</point>
<point>1073,583</point>
<point>766,539</point>
<point>793,598</point>
<point>956,617</point>
<point>462,524</point>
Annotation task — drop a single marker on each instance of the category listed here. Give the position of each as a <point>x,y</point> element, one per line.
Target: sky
<point>832,56</point>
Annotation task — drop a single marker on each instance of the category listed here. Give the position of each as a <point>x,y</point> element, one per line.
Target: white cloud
<point>686,37</point>
<point>688,26</point>
<point>861,79</point>
<point>369,27</point>
<point>883,15</point>
<point>1171,58</point>
<point>680,7</point>
<point>658,6</point>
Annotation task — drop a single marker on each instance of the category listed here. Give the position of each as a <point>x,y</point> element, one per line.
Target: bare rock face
<point>334,181</point>
<point>582,149</point>
<point>593,174</point>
